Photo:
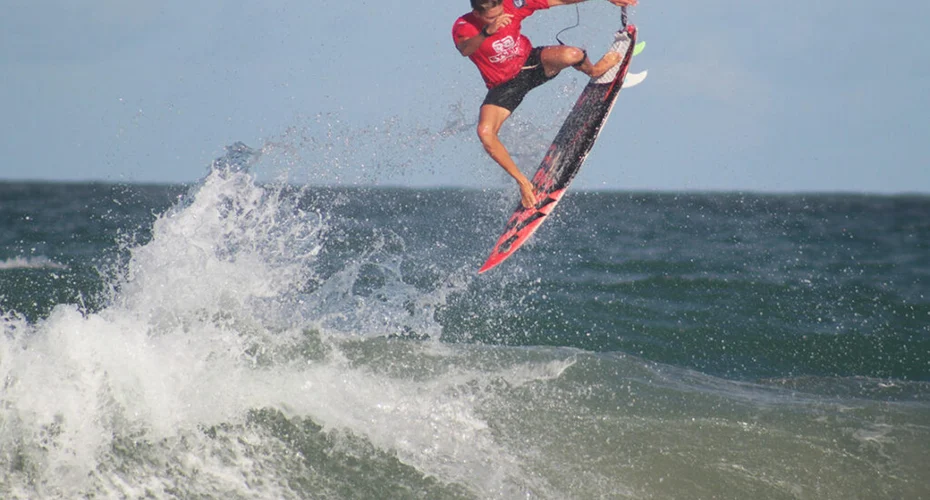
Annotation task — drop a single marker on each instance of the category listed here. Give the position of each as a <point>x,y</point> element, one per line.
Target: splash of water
<point>216,334</point>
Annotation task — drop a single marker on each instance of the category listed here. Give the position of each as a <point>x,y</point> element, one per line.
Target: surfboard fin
<point>634,79</point>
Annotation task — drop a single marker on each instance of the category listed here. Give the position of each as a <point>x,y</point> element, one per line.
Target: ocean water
<point>245,339</point>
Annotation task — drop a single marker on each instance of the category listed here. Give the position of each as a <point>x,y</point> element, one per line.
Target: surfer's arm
<point>468,46</point>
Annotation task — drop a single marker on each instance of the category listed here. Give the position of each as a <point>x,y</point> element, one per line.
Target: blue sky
<point>757,96</point>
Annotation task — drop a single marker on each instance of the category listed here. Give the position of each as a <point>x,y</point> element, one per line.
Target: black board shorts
<point>510,94</point>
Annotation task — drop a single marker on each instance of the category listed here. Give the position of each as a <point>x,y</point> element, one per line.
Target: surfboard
<point>568,150</point>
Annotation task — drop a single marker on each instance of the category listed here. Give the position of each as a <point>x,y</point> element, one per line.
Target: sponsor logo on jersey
<point>506,48</point>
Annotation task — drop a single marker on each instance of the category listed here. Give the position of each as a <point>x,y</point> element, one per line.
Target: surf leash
<point>577,23</point>
<point>624,19</point>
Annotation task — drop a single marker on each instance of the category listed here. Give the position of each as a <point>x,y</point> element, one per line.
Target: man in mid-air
<point>490,36</point>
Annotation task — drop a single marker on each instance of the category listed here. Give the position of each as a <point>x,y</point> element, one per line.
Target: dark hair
<point>485,5</point>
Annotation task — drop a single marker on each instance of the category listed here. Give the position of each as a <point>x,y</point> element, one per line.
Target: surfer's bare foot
<point>609,60</point>
<point>526,194</point>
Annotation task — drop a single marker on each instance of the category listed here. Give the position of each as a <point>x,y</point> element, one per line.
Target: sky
<point>819,96</point>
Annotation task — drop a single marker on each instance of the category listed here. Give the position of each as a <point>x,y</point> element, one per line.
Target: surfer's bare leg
<point>490,119</point>
<point>558,57</point>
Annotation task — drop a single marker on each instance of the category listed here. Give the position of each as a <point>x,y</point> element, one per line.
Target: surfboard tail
<point>623,39</point>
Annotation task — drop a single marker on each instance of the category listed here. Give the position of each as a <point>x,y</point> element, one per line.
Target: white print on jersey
<point>505,48</point>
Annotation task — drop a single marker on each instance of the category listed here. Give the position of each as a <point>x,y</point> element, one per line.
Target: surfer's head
<point>487,10</point>
<point>482,7</point>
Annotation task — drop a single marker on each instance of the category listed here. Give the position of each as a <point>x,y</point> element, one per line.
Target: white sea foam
<point>183,345</point>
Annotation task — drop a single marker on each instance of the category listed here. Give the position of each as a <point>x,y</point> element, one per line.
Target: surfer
<point>490,36</point>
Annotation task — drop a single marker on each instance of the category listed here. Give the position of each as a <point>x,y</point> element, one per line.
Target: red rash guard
<point>501,55</point>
